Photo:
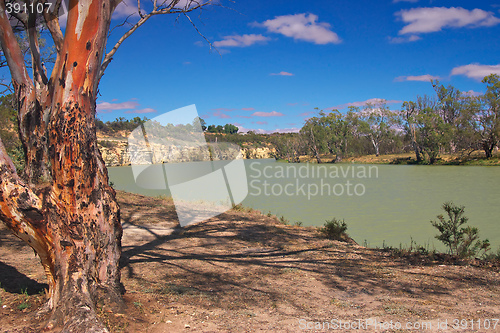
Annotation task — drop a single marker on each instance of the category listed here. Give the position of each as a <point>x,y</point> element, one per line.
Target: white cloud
<point>267,114</point>
<point>472,93</point>
<point>302,27</point>
<point>476,71</point>
<point>423,78</point>
<point>425,20</point>
<point>282,74</point>
<point>242,129</point>
<point>240,41</point>
<point>186,4</point>
<point>372,101</point>
<point>106,106</point>
<point>146,110</point>
<point>126,8</point>
<point>406,39</point>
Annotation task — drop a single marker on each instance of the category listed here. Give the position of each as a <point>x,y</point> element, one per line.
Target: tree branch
<point>52,21</point>
<point>11,50</point>
<point>38,71</point>
<point>21,211</point>
<point>157,10</point>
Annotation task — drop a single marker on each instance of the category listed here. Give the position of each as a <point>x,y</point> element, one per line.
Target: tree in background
<point>376,122</point>
<point>62,205</point>
<point>329,133</point>
<point>487,119</point>
<point>425,126</point>
<point>338,131</point>
<point>8,131</point>
<point>230,129</point>
<point>288,146</point>
<point>313,134</point>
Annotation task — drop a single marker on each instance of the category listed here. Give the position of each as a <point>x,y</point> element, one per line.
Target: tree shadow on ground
<point>250,256</point>
<point>15,282</point>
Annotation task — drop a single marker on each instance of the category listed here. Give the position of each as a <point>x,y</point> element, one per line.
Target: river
<point>389,204</point>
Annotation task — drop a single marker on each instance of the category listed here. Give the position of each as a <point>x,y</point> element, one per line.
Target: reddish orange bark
<point>65,208</point>
<point>62,205</point>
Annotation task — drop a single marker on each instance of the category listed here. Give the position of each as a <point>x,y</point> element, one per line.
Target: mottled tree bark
<point>63,206</point>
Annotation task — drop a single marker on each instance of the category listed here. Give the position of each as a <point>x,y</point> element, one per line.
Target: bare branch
<point>109,56</point>
<point>35,50</point>
<point>199,33</point>
<point>160,9</point>
<point>11,50</point>
<point>52,21</point>
<point>6,88</point>
<point>121,24</point>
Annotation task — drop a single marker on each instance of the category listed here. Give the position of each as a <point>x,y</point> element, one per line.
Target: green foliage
<point>405,250</point>
<point>328,134</point>
<point>461,240</point>
<point>25,299</point>
<point>376,122</point>
<point>288,146</point>
<point>284,221</point>
<point>119,124</point>
<point>226,129</point>
<point>424,123</point>
<point>230,129</point>
<point>334,229</point>
<point>9,132</point>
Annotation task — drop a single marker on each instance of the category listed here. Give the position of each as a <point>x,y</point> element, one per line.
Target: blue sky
<point>280,59</point>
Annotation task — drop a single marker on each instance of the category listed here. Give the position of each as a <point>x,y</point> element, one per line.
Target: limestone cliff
<point>115,152</point>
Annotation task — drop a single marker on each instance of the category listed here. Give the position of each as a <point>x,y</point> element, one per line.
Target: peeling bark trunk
<point>376,145</point>
<point>64,208</point>
<point>315,148</point>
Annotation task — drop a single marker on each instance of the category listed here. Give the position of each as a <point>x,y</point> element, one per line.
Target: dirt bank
<point>245,272</point>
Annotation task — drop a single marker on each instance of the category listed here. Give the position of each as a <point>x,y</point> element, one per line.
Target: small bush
<point>461,240</point>
<point>334,229</point>
<point>239,207</point>
<point>284,221</point>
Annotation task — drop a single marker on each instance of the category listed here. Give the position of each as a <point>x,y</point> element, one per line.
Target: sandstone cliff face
<point>117,153</point>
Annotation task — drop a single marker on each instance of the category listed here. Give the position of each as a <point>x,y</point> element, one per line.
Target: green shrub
<point>461,240</point>
<point>334,229</point>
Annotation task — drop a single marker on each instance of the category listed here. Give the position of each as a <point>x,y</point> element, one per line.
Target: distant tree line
<point>119,124</point>
<point>449,122</point>
<point>226,129</point>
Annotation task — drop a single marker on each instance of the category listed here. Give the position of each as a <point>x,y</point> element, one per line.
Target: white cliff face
<point>116,153</point>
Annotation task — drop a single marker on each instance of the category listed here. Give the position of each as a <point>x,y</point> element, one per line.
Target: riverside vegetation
<point>246,271</point>
<point>269,255</point>
<point>451,127</point>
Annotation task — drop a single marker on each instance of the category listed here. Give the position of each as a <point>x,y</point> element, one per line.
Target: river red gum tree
<point>62,204</point>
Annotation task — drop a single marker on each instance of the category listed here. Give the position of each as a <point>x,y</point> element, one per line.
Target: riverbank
<point>476,158</point>
<point>244,271</point>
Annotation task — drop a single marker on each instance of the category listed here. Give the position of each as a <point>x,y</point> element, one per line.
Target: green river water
<point>380,203</point>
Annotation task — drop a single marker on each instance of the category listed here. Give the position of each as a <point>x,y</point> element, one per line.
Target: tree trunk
<point>65,209</point>
<point>315,148</point>
<point>488,147</point>
<point>376,145</point>
<point>414,143</point>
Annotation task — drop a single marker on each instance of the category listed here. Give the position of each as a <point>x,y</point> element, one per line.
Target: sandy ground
<point>245,272</point>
